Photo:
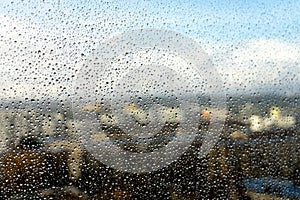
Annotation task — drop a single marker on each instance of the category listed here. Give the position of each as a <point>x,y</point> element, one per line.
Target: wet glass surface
<point>149,100</point>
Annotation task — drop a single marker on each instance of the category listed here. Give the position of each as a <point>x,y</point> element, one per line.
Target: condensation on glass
<point>149,100</point>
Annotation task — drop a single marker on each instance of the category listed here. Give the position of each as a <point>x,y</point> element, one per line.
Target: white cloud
<point>260,64</point>
<point>35,61</point>
<point>267,51</point>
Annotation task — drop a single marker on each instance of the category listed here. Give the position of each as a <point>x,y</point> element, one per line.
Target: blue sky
<point>254,44</point>
<point>212,20</point>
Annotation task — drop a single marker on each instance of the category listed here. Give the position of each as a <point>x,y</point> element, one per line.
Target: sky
<point>254,45</point>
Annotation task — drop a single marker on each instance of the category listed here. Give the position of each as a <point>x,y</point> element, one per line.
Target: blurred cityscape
<point>257,156</point>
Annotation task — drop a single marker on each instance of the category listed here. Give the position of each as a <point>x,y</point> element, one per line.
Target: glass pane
<point>149,100</point>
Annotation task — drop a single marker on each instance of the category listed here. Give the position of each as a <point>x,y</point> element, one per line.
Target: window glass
<point>149,99</point>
